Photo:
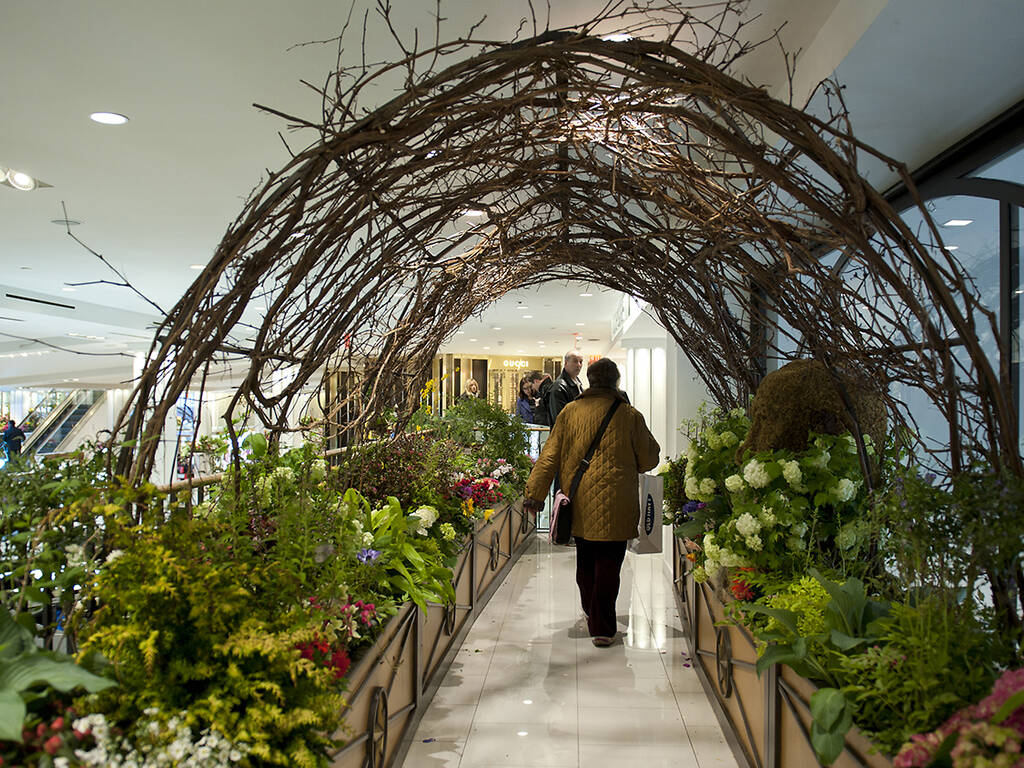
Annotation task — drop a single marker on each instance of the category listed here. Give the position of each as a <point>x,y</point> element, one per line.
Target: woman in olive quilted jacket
<point>606,507</point>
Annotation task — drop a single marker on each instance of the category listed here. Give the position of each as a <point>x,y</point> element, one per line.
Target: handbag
<point>561,511</point>
<point>648,530</point>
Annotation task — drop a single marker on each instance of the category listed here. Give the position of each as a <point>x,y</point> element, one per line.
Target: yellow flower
<point>467,507</point>
<point>488,513</point>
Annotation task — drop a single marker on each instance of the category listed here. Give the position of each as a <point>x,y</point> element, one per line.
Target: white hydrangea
<point>845,490</point>
<point>729,438</point>
<point>767,518</point>
<point>707,486</point>
<point>367,539</point>
<point>799,529</point>
<point>756,474</point>
<point>791,473</point>
<point>753,542</point>
<point>821,460</point>
<point>114,554</point>
<point>747,524</point>
<point>730,559</point>
<point>318,471</point>
<point>712,439</point>
<point>734,484</point>
<point>426,517</point>
<point>76,555</point>
<point>692,487</point>
<point>711,569</point>
<point>736,413</point>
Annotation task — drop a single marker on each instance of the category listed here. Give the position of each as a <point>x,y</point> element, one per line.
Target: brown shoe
<point>602,642</point>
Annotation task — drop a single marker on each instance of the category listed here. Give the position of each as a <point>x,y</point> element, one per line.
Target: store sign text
<point>514,363</point>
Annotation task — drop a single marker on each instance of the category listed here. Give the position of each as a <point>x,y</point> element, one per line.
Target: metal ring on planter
<point>377,729</point>
<point>495,550</point>
<point>723,661</point>
<point>524,523</point>
<point>449,620</point>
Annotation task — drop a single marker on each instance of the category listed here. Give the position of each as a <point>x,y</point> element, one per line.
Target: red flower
<point>52,745</point>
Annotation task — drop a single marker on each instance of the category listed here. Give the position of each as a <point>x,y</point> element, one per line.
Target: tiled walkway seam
<point>527,688</point>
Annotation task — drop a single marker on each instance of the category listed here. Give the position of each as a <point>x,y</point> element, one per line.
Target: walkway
<point>527,687</point>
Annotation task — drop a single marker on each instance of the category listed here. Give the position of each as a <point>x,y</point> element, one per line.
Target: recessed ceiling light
<point>527,701</point>
<point>474,212</point>
<point>108,118</point>
<point>196,266</point>
<point>457,332</point>
<point>958,222</point>
<point>520,351</point>
<point>952,247</point>
<point>486,347</point>
<point>20,180</point>
<point>522,733</point>
<point>68,289</point>
<point>472,339</point>
<point>495,327</point>
<point>618,37</point>
<point>527,317</point>
<point>580,323</point>
<point>586,295</point>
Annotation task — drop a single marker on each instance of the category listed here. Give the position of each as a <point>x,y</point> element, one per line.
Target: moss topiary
<point>803,397</point>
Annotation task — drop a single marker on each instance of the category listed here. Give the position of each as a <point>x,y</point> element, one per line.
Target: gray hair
<point>571,353</point>
<point>603,373</point>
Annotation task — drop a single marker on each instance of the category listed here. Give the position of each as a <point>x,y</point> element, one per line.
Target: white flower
<point>692,488</point>
<point>821,460</point>
<point>707,486</point>
<point>753,542</point>
<point>712,439</point>
<point>767,517</point>
<point>367,539</point>
<point>691,454</point>
<point>791,473</point>
<point>799,529</point>
<point>729,438</point>
<point>114,554</point>
<point>711,569</point>
<point>747,524</point>
<point>700,574</point>
<point>730,559</point>
<point>845,490</point>
<point>736,413</point>
<point>318,470</point>
<point>756,474</point>
<point>426,516</point>
<point>734,484</point>
<point>76,555</point>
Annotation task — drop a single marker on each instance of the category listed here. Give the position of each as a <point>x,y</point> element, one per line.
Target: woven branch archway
<point>635,164</point>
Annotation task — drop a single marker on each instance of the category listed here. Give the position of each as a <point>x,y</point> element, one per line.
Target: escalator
<point>64,416</point>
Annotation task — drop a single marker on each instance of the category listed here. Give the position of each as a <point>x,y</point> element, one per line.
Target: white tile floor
<point>527,687</point>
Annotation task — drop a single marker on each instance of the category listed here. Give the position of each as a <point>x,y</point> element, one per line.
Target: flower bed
<point>843,607</point>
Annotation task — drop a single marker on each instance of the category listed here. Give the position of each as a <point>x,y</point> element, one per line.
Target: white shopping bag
<point>648,540</point>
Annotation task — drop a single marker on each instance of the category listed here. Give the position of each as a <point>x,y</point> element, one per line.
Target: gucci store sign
<point>514,363</point>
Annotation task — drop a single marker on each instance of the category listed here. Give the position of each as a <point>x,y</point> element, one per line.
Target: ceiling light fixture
<point>580,323</point>
<point>460,332</point>
<point>618,37</point>
<point>108,118</point>
<point>495,327</point>
<point>20,180</point>
<point>527,317</point>
<point>197,266</point>
<point>486,347</point>
<point>474,212</point>
<point>472,339</point>
<point>586,295</point>
<point>952,247</point>
<point>958,222</point>
<point>68,289</point>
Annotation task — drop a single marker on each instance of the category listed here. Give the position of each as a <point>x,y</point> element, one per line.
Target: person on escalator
<point>12,437</point>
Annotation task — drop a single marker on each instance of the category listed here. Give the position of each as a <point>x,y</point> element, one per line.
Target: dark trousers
<point>597,573</point>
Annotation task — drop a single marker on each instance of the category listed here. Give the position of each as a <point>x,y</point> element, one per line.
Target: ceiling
<point>155,196</point>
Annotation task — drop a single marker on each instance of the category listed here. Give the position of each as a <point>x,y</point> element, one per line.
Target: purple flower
<point>367,555</point>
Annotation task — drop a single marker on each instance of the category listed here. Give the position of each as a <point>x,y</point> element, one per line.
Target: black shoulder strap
<point>593,447</point>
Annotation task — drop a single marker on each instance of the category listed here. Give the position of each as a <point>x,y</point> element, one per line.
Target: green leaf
<point>257,443</point>
<point>12,716</point>
<point>844,642</point>
<point>828,745</point>
<point>786,618</point>
<point>827,706</point>
<point>413,556</point>
<point>42,668</point>
<point>1008,708</point>
<point>14,638</point>
<point>782,654</point>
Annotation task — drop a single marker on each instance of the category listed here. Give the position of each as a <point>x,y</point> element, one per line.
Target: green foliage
<point>27,671</point>
<point>473,421</point>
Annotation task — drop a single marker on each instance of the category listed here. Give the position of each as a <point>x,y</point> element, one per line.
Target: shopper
<point>12,437</point>
<point>472,389</point>
<point>567,386</point>
<point>606,506</point>
<point>524,403</point>
<point>540,386</point>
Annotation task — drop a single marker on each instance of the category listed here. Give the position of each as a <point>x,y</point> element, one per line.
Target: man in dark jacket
<point>567,386</point>
<point>540,385</point>
<point>12,437</point>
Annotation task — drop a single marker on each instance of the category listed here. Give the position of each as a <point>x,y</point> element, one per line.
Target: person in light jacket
<point>606,507</point>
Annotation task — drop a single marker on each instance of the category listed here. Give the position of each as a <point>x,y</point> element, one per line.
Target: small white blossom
<point>692,488</point>
<point>845,490</point>
<point>76,555</point>
<point>767,517</point>
<point>114,554</point>
<point>747,524</point>
<point>712,439</point>
<point>707,486</point>
<point>753,542</point>
<point>821,460</point>
<point>734,484</point>
<point>756,474</point>
<point>729,438</point>
<point>736,413</point>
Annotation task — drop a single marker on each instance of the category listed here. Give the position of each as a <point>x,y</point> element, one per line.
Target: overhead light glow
<point>108,118</point>
<point>527,317</point>
<point>958,222</point>
<point>486,347</point>
<point>586,295</point>
<point>495,327</point>
<point>618,37</point>
<point>20,180</point>
<point>474,212</point>
<point>580,323</point>
<point>196,266</point>
<point>472,339</point>
<point>952,247</point>
<point>457,332</point>
<point>69,289</point>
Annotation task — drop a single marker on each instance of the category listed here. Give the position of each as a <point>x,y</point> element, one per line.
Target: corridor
<point>527,687</point>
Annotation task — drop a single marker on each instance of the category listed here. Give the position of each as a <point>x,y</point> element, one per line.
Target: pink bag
<point>560,531</point>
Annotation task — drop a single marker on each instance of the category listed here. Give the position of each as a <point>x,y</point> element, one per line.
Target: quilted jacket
<point>606,506</point>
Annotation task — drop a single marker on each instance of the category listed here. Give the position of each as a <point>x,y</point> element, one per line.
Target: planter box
<point>766,719</point>
<point>392,684</point>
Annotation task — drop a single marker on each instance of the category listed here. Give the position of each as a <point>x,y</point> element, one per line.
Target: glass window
<point>1016,227</point>
<point>1009,167</point>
